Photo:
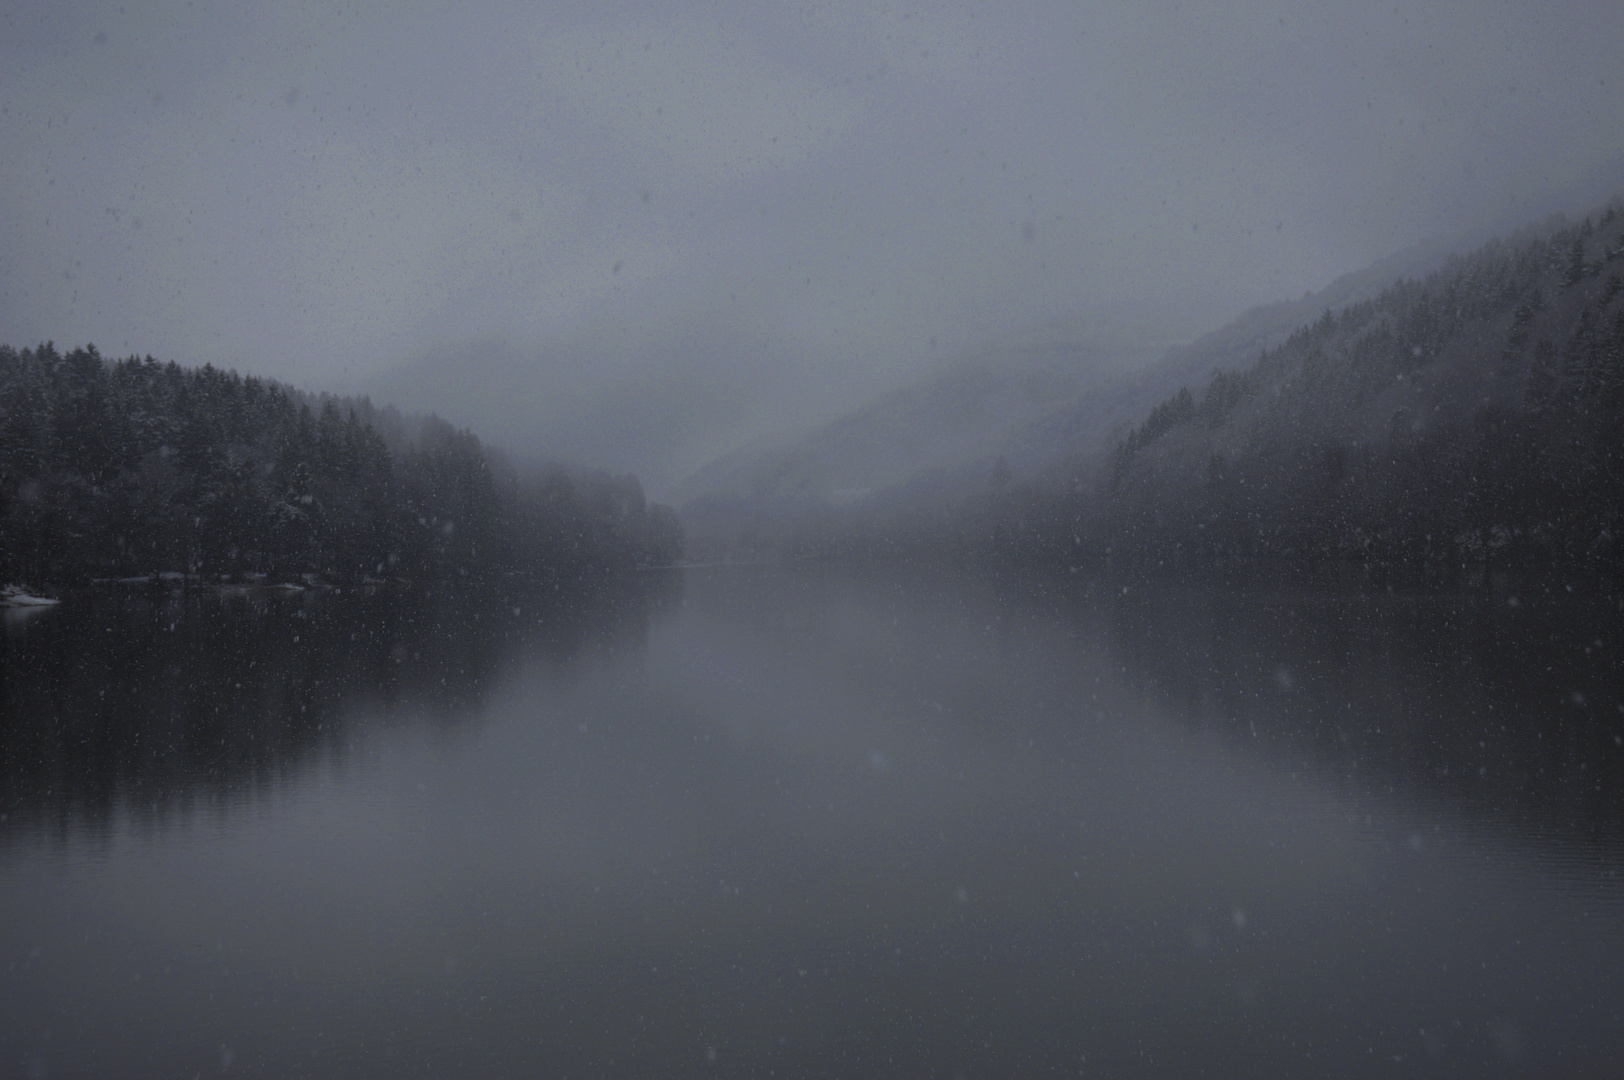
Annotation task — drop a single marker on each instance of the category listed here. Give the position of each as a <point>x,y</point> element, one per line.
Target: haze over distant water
<point>635,235</point>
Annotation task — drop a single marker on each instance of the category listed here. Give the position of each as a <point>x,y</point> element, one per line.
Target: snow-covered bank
<point>14,596</point>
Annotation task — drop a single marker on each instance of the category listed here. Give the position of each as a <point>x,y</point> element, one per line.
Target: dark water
<point>816,822</point>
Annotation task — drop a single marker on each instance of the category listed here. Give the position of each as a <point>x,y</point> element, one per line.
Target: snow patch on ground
<point>15,596</point>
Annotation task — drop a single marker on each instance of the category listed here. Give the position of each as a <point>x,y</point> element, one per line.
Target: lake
<point>816,821</point>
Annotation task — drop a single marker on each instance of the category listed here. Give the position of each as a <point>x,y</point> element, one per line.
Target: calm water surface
<point>808,822</point>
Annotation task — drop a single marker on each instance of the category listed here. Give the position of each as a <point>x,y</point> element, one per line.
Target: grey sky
<point>725,212</point>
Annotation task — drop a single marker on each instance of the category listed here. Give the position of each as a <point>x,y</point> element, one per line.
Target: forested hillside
<point>1475,415</point>
<point>135,467</point>
<point>939,426</point>
<point>910,457</point>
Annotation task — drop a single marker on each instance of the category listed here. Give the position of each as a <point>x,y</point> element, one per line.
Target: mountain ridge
<point>959,425</point>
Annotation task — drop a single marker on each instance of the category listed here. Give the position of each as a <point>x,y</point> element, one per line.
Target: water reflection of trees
<point>150,704</point>
<point>1508,706</point>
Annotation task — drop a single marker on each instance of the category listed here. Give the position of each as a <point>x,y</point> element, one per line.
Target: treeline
<point>135,467</point>
<point>1474,417</point>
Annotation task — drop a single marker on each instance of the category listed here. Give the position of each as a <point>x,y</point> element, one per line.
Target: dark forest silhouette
<point>135,467</point>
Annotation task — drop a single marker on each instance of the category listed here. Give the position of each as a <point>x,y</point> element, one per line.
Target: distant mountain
<point>958,412</point>
<point>1435,410</point>
<point>566,402</point>
<point>1053,397</point>
<point>1476,414</point>
<point>660,409</point>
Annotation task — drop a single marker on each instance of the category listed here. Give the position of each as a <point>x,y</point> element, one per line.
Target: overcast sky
<point>606,216</point>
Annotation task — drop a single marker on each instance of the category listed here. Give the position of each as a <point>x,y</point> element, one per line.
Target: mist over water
<point>816,820</point>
